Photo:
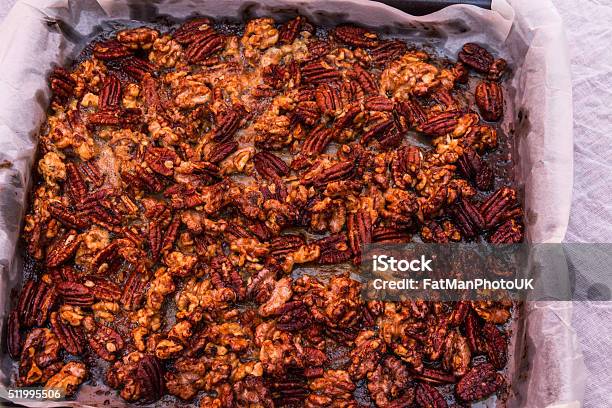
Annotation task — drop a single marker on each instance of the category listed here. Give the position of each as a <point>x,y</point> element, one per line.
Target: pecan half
<point>63,249</point>
<point>71,338</point>
<point>13,335</point>
<point>317,140</point>
<point>67,218</point>
<point>328,99</point>
<point>376,127</point>
<point>333,249</point>
<point>405,166</point>
<point>359,232</point>
<point>356,36</point>
<point>105,342</point>
<point>110,94</point>
<point>115,117</point>
<point>228,123</point>
<point>318,72</point>
<point>494,345</point>
<point>434,376</point>
<point>270,166</point>
<point>475,56</point>
<point>412,111</point>
<point>490,100</point>
<point>77,189</point>
<point>307,112</point>
<point>204,47</point>
<point>338,171</point>
<point>289,31</point>
<point>364,78</point>
<point>137,68</point>
<point>76,294</point>
<point>379,103</point>
<point>221,151</point>
<point>480,382</point>
<point>429,397</point>
<point>440,124</point>
<point>497,69</point>
<point>62,84</point>
<point>468,218</point>
<point>387,51</point>
<point>193,30</point>
<point>510,232</point>
<point>390,235</point>
<point>103,289</point>
<point>500,206</point>
<point>151,375</point>
<point>474,168</point>
<point>133,291</point>
<point>111,50</point>
<point>161,160</point>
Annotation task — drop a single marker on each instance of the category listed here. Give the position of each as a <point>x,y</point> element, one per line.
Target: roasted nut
<point>75,294</point>
<point>510,232</point>
<point>13,335</point>
<point>161,160</point>
<point>318,72</point>
<point>270,166</point>
<point>366,354</point>
<point>62,84</point>
<point>228,123</point>
<point>204,47</point>
<point>135,38</point>
<point>140,377</point>
<point>71,338</point>
<point>356,36</point>
<point>68,378</point>
<point>475,169</point>
<point>490,100</point>
<point>192,30</point>
<point>387,51</point>
<point>475,56</point>
<point>494,345</point>
<point>499,207</point>
<point>359,233</point>
<point>427,396</point>
<point>105,342</point>
<point>291,29</point>
<point>110,94</point>
<point>63,249</point>
<point>457,354</point>
<point>497,69</point>
<point>480,382</point>
<point>110,50</point>
<point>221,151</point>
<point>468,218</point>
<point>335,386</point>
<point>40,350</point>
<point>440,124</point>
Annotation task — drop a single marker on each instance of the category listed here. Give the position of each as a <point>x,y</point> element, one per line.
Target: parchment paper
<point>547,366</point>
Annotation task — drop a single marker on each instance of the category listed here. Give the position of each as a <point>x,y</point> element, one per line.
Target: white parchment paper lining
<point>547,367</point>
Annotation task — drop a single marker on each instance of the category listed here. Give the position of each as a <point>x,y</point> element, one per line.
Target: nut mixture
<point>184,175</point>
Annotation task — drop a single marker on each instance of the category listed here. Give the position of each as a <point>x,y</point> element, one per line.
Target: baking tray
<point>46,32</point>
